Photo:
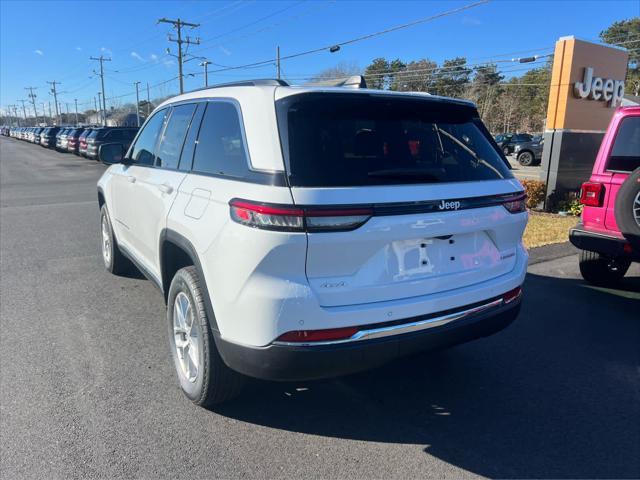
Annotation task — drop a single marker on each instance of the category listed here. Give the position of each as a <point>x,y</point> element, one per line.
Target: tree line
<point>517,104</point>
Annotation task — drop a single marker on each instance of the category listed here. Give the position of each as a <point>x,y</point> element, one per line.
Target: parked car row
<point>83,141</point>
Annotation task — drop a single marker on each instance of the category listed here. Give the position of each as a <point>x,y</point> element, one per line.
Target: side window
<point>625,154</point>
<point>173,137</point>
<point>190,142</point>
<point>142,152</point>
<point>220,148</point>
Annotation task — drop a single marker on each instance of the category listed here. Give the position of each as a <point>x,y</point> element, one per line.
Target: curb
<point>551,252</point>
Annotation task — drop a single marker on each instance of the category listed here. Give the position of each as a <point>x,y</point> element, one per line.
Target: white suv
<point>307,232</point>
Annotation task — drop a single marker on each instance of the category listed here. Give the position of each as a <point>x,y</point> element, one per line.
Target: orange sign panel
<point>587,83</point>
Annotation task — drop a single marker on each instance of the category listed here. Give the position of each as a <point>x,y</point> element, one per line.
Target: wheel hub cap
<point>186,336</point>
<point>636,209</point>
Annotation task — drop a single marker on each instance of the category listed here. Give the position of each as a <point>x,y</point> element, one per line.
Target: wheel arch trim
<point>171,236</point>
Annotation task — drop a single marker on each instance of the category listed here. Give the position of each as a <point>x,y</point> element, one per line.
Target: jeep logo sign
<point>596,88</point>
<point>449,205</point>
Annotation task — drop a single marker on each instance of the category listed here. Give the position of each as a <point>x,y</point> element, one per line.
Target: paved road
<point>87,389</point>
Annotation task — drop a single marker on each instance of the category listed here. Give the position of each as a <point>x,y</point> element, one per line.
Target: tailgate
<point>398,255</point>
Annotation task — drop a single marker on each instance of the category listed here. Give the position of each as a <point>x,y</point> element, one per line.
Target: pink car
<point>609,232</point>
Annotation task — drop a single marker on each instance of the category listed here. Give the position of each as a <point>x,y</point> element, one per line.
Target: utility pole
<point>44,113</point>
<point>11,107</point>
<point>24,111</point>
<point>76,100</point>
<point>278,62</point>
<point>33,101</point>
<point>50,116</point>
<point>137,104</point>
<point>148,100</point>
<point>101,59</point>
<point>15,114</point>
<point>102,115</point>
<point>55,98</point>
<point>178,24</point>
<point>206,64</point>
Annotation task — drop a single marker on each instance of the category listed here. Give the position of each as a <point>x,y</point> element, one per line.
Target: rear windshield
<point>345,139</point>
<point>93,134</point>
<point>625,154</point>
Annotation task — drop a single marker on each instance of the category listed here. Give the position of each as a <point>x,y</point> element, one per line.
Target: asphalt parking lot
<point>524,173</point>
<point>87,388</point>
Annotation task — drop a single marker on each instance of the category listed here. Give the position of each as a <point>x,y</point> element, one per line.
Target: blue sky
<point>53,40</point>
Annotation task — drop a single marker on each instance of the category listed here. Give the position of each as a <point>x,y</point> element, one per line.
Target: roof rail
<point>246,83</point>
<point>354,81</point>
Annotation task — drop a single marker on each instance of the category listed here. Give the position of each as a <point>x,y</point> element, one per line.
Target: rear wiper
<point>421,174</point>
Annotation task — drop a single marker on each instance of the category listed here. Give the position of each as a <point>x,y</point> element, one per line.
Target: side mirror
<point>111,153</point>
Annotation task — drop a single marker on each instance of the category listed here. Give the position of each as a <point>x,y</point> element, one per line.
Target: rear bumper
<point>598,242</point>
<point>286,362</point>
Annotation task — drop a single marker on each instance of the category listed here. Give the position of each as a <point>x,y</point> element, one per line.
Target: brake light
<point>305,336</point>
<point>592,194</point>
<point>516,204</point>
<point>297,219</point>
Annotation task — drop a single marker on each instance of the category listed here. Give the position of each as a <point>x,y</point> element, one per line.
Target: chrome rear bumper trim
<point>373,333</point>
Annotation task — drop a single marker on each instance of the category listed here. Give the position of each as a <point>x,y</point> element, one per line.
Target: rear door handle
<point>164,188</point>
<point>131,179</point>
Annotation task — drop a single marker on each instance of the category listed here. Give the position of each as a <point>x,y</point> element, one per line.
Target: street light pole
<point>76,100</point>
<point>206,64</point>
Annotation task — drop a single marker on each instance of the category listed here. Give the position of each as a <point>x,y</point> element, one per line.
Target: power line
<point>266,17</point>
<point>304,13</point>
<point>337,46</point>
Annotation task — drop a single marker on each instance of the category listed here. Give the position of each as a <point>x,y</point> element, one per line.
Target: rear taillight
<point>516,204</point>
<point>330,334</point>
<point>592,194</point>
<point>512,295</point>
<point>298,219</point>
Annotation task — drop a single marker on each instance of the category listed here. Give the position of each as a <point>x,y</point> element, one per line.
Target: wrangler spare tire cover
<point>627,208</point>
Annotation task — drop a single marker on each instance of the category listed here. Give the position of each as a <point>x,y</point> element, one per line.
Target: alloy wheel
<point>636,209</point>
<point>187,337</point>
<point>106,241</point>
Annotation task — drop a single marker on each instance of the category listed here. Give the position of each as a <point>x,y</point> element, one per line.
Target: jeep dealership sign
<point>597,88</point>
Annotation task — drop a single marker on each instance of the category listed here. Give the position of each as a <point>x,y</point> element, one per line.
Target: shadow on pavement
<point>557,394</point>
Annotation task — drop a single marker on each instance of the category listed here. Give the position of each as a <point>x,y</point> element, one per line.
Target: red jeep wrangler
<point>609,232</point>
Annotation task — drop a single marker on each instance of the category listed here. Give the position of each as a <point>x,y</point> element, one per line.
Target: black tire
<point>600,270</point>
<point>213,382</point>
<point>526,158</point>
<point>627,208</point>
<point>115,262</point>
